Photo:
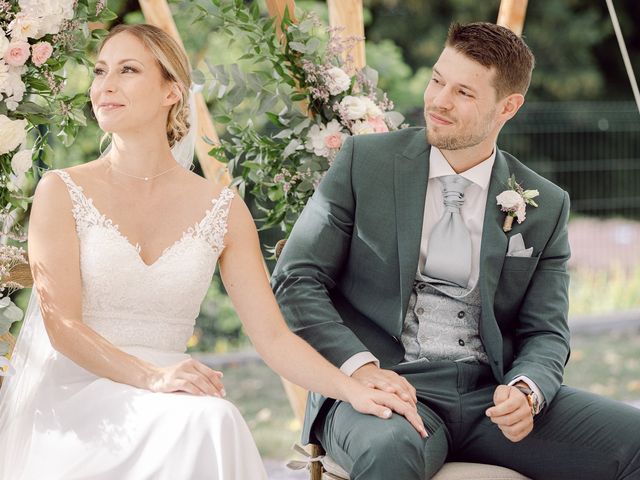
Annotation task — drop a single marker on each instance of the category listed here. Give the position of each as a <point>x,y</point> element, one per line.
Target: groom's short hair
<point>495,47</point>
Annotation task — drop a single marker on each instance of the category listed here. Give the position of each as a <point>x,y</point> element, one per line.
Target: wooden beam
<point>349,14</point>
<point>276,9</point>
<point>157,12</point>
<point>512,14</point>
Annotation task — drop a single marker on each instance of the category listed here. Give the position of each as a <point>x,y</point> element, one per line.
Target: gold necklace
<point>146,179</point>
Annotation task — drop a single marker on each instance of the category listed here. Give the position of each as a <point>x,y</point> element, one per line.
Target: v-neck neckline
<point>110,224</point>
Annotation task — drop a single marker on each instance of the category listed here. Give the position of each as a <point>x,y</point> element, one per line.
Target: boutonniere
<point>514,202</point>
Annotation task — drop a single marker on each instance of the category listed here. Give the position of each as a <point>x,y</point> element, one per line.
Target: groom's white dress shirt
<point>472,212</point>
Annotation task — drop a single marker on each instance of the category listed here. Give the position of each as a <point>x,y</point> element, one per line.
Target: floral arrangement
<point>514,202</point>
<point>36,40</point>
<point>10,258</point>
<point>305,76</point>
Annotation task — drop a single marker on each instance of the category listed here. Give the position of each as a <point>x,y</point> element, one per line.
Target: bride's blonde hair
<point>174,65</point>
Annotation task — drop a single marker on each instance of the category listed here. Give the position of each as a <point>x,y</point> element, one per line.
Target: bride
<point>122,250</point>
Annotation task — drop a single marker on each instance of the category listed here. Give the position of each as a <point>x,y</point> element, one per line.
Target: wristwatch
<point>532,398</point>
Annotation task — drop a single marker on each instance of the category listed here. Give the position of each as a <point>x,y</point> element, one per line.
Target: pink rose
<point>41,52</point>
<point>378,124</point>
<point>333,140</point>
<point>17,53</point>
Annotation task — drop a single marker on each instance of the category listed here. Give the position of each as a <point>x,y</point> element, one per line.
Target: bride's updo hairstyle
<point>174,65</point>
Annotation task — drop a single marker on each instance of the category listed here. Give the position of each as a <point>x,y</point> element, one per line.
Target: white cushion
<point>450,471</point>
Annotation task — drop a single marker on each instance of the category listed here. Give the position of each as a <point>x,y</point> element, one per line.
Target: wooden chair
<point>323,467</point>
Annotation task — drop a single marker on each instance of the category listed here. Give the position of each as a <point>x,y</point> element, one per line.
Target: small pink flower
<point>378,124</point>
<point>17,53</point>
<point>333,140</point>
<point>41,52</point>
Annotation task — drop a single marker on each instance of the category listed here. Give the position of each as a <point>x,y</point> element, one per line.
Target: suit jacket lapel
<point>492,254</point>
<point>410,186</point>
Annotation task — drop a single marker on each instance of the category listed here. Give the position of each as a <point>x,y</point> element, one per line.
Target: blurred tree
<point>576,51</point>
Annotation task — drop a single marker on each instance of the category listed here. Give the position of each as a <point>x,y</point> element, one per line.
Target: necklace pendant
<point>146,178</point>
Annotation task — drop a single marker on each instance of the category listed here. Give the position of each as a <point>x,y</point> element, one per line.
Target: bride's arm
<point>245,278</point>
<point>55,264</point>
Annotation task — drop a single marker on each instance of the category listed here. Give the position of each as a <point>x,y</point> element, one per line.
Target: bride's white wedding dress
<point>81,426</point>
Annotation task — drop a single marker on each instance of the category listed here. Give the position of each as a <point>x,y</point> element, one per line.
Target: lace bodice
<point>131,303</point>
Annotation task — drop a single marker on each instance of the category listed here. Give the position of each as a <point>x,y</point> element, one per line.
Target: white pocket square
<point>517,248</point>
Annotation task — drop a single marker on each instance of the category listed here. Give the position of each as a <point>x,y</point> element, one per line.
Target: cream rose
<point>4,44</point>
<point>373,110</point>
<point>510,201</point>
<point>24,26</point>
<point>362,128</point>
<point>337,81</point>
<point>20,164</point>
<point>354,107</point>
<point>12,133</point>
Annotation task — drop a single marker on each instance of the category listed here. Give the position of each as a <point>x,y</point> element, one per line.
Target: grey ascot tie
<point>449,248</point>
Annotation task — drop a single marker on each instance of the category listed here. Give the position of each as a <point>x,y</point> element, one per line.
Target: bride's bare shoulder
<point>52,190</point>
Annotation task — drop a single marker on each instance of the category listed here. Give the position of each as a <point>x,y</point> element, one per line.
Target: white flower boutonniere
<point>514,202</point>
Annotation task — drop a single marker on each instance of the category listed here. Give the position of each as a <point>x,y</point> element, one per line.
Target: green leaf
<point>297,97</point>
<point>298,47</point>
<point>198,77</point>
<point>222,118</point>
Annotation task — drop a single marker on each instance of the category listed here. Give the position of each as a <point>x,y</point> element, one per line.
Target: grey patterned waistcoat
<point>442,324</point>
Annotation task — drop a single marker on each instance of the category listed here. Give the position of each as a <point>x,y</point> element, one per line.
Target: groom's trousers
<point>578,436</point>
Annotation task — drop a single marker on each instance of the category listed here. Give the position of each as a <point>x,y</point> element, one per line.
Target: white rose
<point>4,76</point>
<point>4,43</point>
<point>354,107</point>
<point>373,110</point>
<point>11,104</point>
<point>11,82</point>
<point>12,133</point>
<point>21,162</point>
<point>50,14</point>
<point>510,200</point>
<point>361,128</point>
<point>24,26</point>
<point>337,81</point>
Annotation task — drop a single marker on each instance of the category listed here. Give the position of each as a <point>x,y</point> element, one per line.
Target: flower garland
<point>304,77</point>
<point>36,40</point>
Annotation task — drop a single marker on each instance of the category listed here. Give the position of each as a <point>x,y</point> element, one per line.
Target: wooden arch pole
<point>512,14</point>
<point>349,14</point>
<point>157,12</point>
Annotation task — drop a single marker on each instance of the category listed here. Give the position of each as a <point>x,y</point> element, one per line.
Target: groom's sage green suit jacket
<point>345,276</point>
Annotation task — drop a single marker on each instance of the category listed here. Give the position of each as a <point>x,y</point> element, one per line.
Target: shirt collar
<point>480,174</point>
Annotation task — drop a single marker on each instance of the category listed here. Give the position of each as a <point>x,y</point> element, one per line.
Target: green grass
<point>259,395</point>
<point>606,364</point>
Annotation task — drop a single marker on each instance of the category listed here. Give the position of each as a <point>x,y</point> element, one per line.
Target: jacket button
<point>460,314</point>
<point>461,342</point>
<point>420,311</point>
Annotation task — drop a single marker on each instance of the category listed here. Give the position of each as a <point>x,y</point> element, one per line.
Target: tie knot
<point>453,187</point>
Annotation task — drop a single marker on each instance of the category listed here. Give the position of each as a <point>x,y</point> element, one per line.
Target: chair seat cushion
<point>450,471</point>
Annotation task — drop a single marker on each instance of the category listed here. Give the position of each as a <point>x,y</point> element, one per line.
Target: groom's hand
<point>511,413</point>
<point>370,375</point>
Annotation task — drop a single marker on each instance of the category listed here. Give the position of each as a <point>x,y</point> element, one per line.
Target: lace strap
<point>213,227</point>
<point>83,210</point>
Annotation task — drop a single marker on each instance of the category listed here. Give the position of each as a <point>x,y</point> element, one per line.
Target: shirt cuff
<point>534,388</point>
<point>358,360</point>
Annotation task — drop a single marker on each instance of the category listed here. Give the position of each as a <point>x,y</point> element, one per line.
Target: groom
<point>399,272</point>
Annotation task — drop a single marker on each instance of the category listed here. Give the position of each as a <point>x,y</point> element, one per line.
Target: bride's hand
<point>188,376</point>
<point>379,403</point>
